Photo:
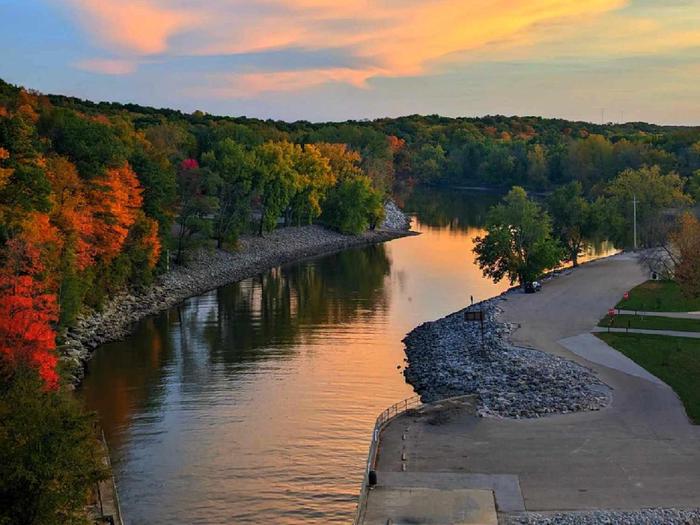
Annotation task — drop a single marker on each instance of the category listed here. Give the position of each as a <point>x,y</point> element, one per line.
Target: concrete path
<point>404,505</point>
<point>674,333</point>
<point>639,452</point>
<point>677,315</point>
<point>505,488</point>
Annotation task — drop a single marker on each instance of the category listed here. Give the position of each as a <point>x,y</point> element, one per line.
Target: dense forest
<point>96,196</point>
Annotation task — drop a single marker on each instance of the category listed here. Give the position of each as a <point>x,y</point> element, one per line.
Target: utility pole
<point>634,203</point>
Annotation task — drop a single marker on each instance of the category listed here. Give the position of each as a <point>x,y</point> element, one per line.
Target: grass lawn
<point>674,360</point>
<point>652,323</point>
<point>659,296</point>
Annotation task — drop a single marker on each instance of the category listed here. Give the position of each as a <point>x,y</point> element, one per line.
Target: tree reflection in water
<point>239,323</point>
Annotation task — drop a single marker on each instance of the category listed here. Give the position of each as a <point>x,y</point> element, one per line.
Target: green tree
<point>353,205</point>
<point>198,203</point>
<point>518,243</point>
<point>694,186</point>
<point>573,219</point>
<point>655,194</point>
<point>314,178</point>
<point>49,455</point>
<point>498,167</point>
<point>590,160</point>
<point>93,146</point>
<point>233,164</point>
<point>537,167</point>
<point>430,162</point>
<point>276,180</point>
<point>159,181</point>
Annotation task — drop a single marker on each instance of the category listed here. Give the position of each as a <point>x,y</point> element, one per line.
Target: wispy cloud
<point>246,85</point>
<point>107,66</point>
<point>132,26</point>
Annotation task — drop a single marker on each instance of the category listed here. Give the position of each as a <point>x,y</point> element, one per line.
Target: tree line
<point>642,208</point>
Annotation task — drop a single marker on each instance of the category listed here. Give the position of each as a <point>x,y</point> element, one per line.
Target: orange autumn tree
<point>28,313</point>
<point>150,241</point>
<point>116,200</point>
<point>686,241</point>
<point>70,210</point>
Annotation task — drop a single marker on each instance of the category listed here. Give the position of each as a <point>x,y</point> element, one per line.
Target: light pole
<point>634,204</point>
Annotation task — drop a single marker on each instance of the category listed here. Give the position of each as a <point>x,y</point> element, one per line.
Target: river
<point>254,403</point>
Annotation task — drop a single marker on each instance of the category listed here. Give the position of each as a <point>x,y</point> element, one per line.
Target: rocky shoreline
<point>446,359</point>
<point>208,270</point>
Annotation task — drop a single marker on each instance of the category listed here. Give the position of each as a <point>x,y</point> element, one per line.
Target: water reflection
<point>447,208</point>
<point>235,324</point>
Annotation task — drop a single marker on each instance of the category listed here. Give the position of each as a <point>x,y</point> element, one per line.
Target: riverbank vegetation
<point>50,458</point>
<point>524,238</point>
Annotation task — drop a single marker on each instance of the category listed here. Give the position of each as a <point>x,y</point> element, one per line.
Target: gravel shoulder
<point>207,270</point>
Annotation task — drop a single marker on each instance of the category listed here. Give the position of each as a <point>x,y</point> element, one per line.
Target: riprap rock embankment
<point>446,359</point>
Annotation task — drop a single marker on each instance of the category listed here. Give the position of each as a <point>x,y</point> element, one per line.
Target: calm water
<point>254,403</point>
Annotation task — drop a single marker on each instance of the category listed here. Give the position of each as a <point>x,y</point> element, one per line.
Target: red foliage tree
<point>27,313</point>
<point>189,164</point>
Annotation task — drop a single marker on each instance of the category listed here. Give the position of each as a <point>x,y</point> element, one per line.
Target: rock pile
<point>607,517</point>
<point>446,359</point>
<point>394,218</point>
<point>207,270</point>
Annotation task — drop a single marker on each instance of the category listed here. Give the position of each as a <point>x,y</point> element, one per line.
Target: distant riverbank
<point>207,270</point>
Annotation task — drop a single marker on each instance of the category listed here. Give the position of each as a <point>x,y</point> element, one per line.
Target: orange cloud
<point>401,36</point>
<point>387,38</point>
<point>132,26</point>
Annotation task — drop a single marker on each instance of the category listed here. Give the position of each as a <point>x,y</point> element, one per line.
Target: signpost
<point>611,315</point>
<point>473,316</point>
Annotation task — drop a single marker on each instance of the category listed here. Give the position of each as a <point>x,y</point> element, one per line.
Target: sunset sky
<point>331,60</point>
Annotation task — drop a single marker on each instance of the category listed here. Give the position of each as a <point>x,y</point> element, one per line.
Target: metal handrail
<point>387,415</point>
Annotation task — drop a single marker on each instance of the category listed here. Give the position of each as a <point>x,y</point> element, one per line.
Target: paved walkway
<point>640,452</point>
<point>677,315</point>
<point>596,351</point>
<point>674,333</point>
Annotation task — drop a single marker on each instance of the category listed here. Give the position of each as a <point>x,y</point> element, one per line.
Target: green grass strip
<point>659,296</point>
<point>674,360</point>
<point>649,322</point>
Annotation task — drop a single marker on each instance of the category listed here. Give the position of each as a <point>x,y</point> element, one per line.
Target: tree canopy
<point>518,244</point>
